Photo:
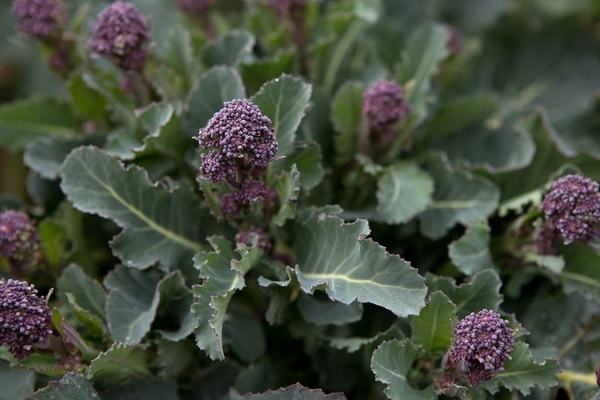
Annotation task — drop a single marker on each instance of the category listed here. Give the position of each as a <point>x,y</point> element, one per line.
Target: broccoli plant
<point>301,199</point>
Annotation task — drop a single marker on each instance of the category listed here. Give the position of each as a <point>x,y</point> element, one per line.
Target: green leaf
<point>432,329</point>
<point>72,386</point>
<point>294,392</point>
<point>222,279</point>
<point>16,384</point>
<point>134,299</point>
<point>323,312</point>
<point>24,120</point>
<point>353,344</point>
<point>118,364</point>
<point>179,54</point>
<point>368,10</point>
<point>307,159</point>
<point>142,389</point>
<point>425,49</point>
<point>154,117</point>
<point>346,116</point>
<point>471,253</point>
<point>391,362</point>
<point>90,322</point>
<point>338,255</point>
<point>482,291</point>
<point>459,197</point>
<point>284,100</point>
<point>53,241</point>
<point>46,154</point>
<point>215,86</point>
<point>88,103</point>
<point>287,186</point>
<point>246,336</point>
<point>523,373</point>
<point>403,191</point>
<point>88,293</point>
<point>174,357</point>
<point>229,49</point>
<point>158,225</point>
<point>456,115</point>
<point>257,72</point>
<point>581,273</point>
<point>501,149</point>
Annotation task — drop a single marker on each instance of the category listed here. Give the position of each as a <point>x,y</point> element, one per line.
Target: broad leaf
<point>87,292</point>
<point>229,49</point>
<point>391,363</point>
<point>158,225</point>
<point>294,392</point>
<point>246,336</point>
<point>72,386</point>
<point>432,329</point>
<point>459,197</point>
<point>257,72</point>
<point>284,100</point>
<point>16,384</point>
<point>308,160</point>
<point>134,299</point>
<point>523,373</point>
<point>23,121</point>
<point>425,49</point>
<point>581,273</point>
<point>482,291</point>
<point>471,253</point>
<point>403,191</point>
<point>215,86</point>
<point>353,344</point>
<point>118,364</point>
<point>346,115</point>
<point>211,299</point>
<point>179,54</point>
<point>338,255</point>
<point>324,312</point>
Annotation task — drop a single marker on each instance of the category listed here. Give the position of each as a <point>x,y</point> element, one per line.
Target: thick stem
<point>570,377</point>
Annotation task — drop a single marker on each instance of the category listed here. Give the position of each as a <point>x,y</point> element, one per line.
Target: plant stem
<point>570,377</point>
<point>339,53</point>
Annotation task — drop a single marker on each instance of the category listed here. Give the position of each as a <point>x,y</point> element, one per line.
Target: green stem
<point>570,377</point>
<point>339,53</point>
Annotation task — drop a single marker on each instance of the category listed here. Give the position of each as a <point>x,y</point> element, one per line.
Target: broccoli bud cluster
<point>483,342</point>
<point>121,33</point>
<point>25,319</point>
<point>40,19</point>
<point>384,105</point>
<point>19,239</point>
<point>572,206</point>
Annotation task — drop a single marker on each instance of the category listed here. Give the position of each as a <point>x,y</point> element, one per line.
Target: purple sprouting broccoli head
<point>194,7</point>
<point>483,341</point>
<point>572,206</point>
<point>24,317</point>
<point>239,137</point>
<point>40,19</point>
<point>121,33</point>
<point>19,239</point>
<point>263,241</point>
<point>384,105</point>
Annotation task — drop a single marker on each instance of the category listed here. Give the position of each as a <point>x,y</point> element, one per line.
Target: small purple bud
<point>384,105</point>
<point>598,377</point>
<point>545,240</point>
<point>26,315</point>
<point>263,241</point>
<point>572,206</point>
<point>455,41</point>
<point>19,239</point>
<point>482,343</point>
<point>121,33</point>
<point>40,19</point>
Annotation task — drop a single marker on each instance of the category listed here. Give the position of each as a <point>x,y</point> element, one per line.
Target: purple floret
<point>455,41</point>
<point>24,317</point>
<point>251,192</point>
<point>384,105</point>
<point>194,7</point>
<point>572,206</point>
<point>483,342</point>
<point>121,33</point>
<point>19,239</point>
<point>239,135</point>
<point>263,241</point>
<point>40,19</point>
<point>230,204</point>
